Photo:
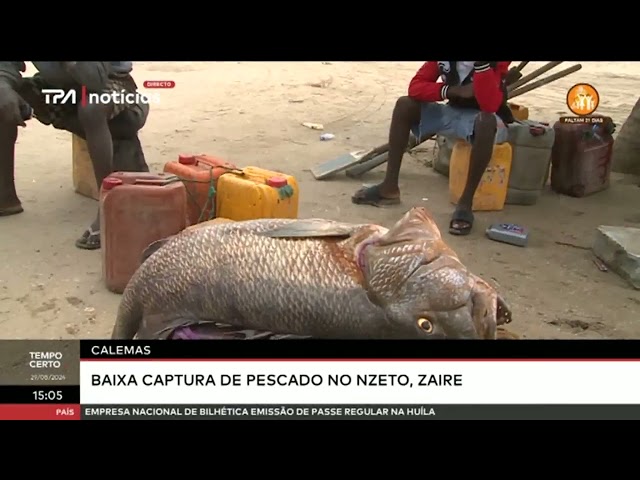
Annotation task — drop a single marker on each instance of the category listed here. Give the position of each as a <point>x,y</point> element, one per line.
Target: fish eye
<point>425,324</point>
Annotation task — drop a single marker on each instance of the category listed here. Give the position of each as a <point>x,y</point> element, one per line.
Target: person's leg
<point>94,120</point>
<point>128,155</point>
<point>483,130</point>
<point>111,132</point>
<point>408,115</point>
<point>30,90</point>
<point>9,202</point>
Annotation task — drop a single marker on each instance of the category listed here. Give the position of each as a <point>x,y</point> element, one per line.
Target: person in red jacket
<point>476,111</point>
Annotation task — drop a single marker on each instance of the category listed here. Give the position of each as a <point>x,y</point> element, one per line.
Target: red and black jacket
<point>488,80</point>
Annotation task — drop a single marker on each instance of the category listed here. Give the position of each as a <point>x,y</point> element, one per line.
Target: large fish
<point>314,277</point>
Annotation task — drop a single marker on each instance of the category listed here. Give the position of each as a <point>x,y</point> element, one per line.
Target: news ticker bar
<point>319,412</point>
<point>360,412</point>
<point>359,349</point>
<point>57,361</point>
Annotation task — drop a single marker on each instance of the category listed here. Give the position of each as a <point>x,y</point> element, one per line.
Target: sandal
<point>90,240</point>
<point>461,222</point>
<point>371,196</point>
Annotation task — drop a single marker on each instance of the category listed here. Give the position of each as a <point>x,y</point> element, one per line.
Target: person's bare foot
<point>10,206</point>
<point>377,196</point>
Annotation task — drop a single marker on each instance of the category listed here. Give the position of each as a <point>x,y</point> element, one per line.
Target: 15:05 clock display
<point>47,395</point>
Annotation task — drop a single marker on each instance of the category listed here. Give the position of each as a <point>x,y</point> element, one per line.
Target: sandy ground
<point>251,113</point>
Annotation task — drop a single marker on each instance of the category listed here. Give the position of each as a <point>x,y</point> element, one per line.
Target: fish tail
<point>129,318</point>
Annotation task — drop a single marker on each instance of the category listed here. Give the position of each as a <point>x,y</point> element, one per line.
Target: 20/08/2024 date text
<point>44,377</point>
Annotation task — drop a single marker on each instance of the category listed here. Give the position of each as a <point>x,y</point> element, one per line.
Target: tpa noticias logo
<point>59,96</point>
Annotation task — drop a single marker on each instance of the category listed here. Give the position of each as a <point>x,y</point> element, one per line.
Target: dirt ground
<point>251,113</point>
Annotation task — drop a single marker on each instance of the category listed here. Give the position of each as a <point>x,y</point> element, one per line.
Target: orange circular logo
<point>583,99</point>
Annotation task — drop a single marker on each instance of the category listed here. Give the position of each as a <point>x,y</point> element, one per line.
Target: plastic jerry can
<point>443,157</point>
<point>581,159</point>
<point>491,194</point>
<point>519,112</point>
<point>84,178</point>
<point>531,143</point>
<point>257,193</point>
<point>137,209</point>
<point>200,175</point>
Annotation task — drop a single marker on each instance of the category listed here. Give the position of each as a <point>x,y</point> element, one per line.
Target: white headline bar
<point>365,382</point>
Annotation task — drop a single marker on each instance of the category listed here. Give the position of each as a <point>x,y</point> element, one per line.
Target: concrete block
<point>619,249</point>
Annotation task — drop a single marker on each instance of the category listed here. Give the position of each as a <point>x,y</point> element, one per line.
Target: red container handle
<point>110,182</point>
<point>277,182</point>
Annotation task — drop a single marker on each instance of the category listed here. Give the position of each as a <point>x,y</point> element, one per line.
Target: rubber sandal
<point>90,240</point>
<point>371,196</point>
<point>461,215</point>
<point>5,212</point>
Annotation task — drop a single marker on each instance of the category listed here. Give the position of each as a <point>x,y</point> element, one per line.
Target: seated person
<point>110,129</point>
<point>476,111</point>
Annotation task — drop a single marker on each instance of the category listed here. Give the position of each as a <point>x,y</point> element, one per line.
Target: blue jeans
<point>458,123</point>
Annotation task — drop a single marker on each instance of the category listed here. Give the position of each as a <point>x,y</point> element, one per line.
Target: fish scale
<point>312,277</point>
<point>328,300</point>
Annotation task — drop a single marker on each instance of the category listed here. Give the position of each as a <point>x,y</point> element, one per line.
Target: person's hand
<point>464,91</point>
<point>10,106</point>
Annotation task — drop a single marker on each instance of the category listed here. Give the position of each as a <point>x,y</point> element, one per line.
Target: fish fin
<point>153,248</point>
<point>504,313</point>
<point>312,228</point>
<point>160,326</point>
<point>417,223</point>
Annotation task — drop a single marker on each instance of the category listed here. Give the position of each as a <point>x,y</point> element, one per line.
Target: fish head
<point>423,287</point>
<point>447,301</point>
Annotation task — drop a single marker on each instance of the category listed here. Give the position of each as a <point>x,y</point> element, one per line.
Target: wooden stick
<point>514,74</point>
<point>363,167</point>
<point>373,153</point>
<point>520,66</point>
<point>545,81</point>
<point>535,74</point>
